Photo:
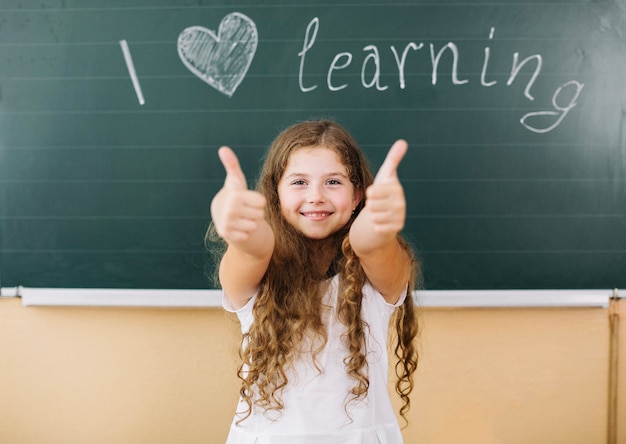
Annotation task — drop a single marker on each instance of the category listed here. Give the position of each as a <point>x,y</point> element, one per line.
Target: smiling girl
<point>315,268</point>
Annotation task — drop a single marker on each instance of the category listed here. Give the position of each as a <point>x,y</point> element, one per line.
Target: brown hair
<point>289,306</point>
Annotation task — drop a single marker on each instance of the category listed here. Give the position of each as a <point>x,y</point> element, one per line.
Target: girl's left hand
<point>385,199</point>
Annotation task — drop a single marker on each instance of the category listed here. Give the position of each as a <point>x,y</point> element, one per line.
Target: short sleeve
<point>371,292</point>
<point>244,314</point>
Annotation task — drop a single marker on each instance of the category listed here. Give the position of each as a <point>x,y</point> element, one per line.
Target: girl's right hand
<point>236,211</point>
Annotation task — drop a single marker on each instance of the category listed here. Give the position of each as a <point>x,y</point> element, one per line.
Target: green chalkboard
<point>111,112</point>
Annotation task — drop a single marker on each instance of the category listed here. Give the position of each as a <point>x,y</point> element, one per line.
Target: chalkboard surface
<point>111,113</point>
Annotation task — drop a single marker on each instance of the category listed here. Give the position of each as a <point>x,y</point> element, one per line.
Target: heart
<point>220,60</point>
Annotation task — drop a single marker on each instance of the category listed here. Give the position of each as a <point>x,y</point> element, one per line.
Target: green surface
<point>98,190</point>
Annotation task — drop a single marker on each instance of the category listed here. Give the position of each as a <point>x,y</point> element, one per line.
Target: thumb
<point>389,169</point>
<point>234,175</point>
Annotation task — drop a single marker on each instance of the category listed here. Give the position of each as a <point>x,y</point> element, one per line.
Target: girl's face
<point>315,193</point>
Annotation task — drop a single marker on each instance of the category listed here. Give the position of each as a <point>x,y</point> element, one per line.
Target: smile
<point>316,214</point>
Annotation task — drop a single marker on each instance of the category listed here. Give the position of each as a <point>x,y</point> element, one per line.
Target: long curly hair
<point>289,307</point>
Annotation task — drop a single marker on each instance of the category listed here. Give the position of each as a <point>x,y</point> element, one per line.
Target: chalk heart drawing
<point>220,60</point>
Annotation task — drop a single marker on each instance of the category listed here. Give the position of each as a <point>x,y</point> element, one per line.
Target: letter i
<point>486,62</point>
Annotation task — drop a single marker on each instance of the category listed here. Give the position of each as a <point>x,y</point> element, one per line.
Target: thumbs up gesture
<point>237,212</point>
<point>384,199</point>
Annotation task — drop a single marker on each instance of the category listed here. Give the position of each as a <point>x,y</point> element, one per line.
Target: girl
<point>314,268</point>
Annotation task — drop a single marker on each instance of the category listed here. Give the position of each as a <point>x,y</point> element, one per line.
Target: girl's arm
<point>374,232</point>
<point>239,218</point>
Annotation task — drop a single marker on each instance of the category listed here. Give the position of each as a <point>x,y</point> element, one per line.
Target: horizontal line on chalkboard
<point>35,251</point>
<point>105,217</point>
<point>272,110</point>
<point>522,251</point>
<point>220,180</point>
<point>287,5</point>
<point>516,216</point>
<point>422,39</point>
<point>113,181</point>
<point>510,180</point>
<point>418,216</point>
<point>212,145</point>
<point>407,74</point>
<point>62,44</point>
<point>196,251</point>
<point>152,147</point>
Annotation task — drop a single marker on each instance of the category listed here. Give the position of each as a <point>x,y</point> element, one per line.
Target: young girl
<point>315,268</point>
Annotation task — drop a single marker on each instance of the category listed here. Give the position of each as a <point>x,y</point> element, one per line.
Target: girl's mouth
<point>316,214</point>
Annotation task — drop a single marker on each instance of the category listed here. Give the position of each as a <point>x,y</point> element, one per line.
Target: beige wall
<point>78,375</point>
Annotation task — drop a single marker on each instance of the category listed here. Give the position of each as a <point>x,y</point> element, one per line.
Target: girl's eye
<point>333,182</point>
<point>298,182</point>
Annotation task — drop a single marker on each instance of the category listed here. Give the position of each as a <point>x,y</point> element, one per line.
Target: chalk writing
<point>220,60</point>
<point>223,60</point>
<point>560,111</point>
<point>131,71</point>
<point>538,122</point>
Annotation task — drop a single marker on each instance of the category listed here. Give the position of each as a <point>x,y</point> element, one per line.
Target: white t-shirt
<point>315,403</point>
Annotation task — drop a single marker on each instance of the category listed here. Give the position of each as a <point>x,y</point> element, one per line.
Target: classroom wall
<point>76,375</point>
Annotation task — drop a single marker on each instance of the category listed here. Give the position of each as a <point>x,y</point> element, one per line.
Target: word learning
<point>563,99</point>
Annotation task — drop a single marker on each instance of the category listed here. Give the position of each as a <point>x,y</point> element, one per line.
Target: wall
<point>76,375</point>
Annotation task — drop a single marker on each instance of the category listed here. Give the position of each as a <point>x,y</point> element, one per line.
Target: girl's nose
<point>315,194</point>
